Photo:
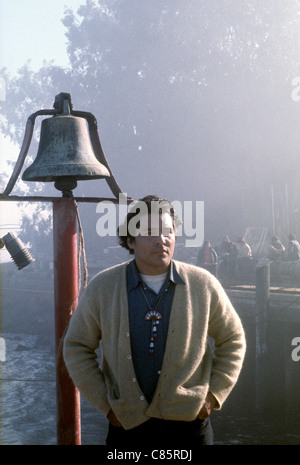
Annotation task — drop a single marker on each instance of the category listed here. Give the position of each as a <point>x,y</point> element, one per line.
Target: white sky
<point>32,30</point>
<point>29,30</point>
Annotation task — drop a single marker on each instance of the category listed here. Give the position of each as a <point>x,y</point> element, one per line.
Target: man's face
<point>154,247</point>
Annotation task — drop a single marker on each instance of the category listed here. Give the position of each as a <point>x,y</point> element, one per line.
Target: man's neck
<point>151,270</point>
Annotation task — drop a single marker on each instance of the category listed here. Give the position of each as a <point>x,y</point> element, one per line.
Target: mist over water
<point>28,397</point>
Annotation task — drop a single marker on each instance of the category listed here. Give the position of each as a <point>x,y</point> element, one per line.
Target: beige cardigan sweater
<point>200,308</point>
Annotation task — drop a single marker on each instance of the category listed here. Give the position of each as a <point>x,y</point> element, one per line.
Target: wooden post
<point>262,314</point>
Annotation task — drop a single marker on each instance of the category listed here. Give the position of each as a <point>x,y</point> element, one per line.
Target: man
<point>207,258</point>
<point>244,258</point>
<point>293,250</point>
<point>158,380</point>
<point>276,249</point>
<point>244,249</point>
<point>229,253</point>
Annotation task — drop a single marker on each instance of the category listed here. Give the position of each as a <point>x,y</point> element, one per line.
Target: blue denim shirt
<point>147,366</point>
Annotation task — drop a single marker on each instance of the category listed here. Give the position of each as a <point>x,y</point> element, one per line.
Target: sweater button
<point>129,357</point>
<point>133,380</point>
<point>142,398</point>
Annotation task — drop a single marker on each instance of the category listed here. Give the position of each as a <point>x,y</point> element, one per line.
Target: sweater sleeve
<point>80,344</point>
<point>227,331</point>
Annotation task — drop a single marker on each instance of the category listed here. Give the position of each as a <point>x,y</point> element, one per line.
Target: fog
<point>194,101</point>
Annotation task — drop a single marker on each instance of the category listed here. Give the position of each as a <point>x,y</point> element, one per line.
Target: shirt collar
<point>134,277</point>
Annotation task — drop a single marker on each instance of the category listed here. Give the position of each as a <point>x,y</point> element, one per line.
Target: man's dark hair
<point>154,204</point>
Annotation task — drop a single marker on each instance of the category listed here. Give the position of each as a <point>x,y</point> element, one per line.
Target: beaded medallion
<point>154,316</point>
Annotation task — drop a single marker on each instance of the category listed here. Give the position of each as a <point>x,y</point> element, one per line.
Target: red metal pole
<point>65,295</point>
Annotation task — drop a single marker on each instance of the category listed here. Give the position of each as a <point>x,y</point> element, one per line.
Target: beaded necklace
<point>154,316</point>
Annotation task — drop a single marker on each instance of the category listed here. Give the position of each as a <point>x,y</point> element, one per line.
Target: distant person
<point>244,255</point>
<point>224,247</point>
<point>159,381</point>
<point>293,248</point>
<point>228,254</point>
<point>207,258</point>
<point>276,249</point>
<point>244,249</point>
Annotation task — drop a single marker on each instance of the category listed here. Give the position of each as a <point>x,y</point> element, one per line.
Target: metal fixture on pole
<point>18,252</point>
<point>69,150</point>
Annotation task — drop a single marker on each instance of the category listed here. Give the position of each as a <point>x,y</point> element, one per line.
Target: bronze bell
<point>65,152</point>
